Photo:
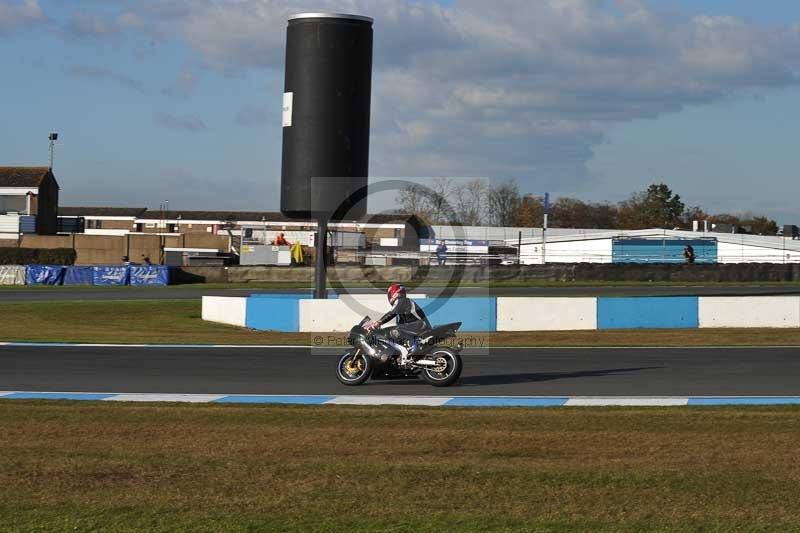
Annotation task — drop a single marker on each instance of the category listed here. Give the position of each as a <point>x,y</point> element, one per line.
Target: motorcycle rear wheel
<point>353,368</point>
<point>451,372</point>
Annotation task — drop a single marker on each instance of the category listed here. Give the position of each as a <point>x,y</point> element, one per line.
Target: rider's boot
<point>415,347</point>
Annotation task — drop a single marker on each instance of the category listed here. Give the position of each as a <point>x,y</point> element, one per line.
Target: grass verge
<point>94,466</point>
<point>179,322</point>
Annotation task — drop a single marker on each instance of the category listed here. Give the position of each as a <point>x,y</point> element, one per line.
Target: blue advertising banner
<point>44,274</point>
<point>149,275</point>
<point>79,275</point>
<point>110,275</point>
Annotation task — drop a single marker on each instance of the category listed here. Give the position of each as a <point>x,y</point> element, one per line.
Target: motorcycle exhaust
<point>362,343</point>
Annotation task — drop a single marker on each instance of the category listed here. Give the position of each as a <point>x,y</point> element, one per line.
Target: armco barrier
<point>328,315</point>
<point>546,314</point>
<point>475,314</point>
<point>274,313</point>
<point>749,312</point>
<point>12,275</point>
<point>44,274</point>
<point>226,310</point>
<point>342,313</point>
<point>648,312</point>
<point>293,313</point>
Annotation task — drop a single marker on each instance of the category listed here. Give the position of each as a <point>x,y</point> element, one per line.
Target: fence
<point>140,275</point>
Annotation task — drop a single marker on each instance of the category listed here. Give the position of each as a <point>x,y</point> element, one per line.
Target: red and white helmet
<point>395,290</point>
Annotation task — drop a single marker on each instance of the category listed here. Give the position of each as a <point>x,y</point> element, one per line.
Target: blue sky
<point>180,100</point>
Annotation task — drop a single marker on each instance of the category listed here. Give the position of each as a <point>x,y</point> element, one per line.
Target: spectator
<point>688,253</point>
<point>281,240</point>
<point>147,261</point>
<point>126,260</point>
<point>441,253</point>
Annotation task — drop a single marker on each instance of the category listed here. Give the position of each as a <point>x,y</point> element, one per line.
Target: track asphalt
<point>630,372</point>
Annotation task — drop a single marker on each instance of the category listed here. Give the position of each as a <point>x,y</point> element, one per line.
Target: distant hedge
<point>37,256</point>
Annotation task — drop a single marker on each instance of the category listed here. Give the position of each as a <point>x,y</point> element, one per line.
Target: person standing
<point>441,253</point>
<point>688,253</point>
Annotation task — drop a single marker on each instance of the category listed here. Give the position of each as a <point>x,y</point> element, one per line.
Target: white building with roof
<point>653,246</point>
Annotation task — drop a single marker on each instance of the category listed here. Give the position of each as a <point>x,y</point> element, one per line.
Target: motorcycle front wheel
<point>354,368</point>
<point>448,370</point>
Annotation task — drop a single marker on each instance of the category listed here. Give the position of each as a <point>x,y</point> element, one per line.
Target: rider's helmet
<point>395,290</point>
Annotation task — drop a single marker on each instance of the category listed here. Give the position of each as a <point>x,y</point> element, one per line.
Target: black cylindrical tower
<point>326,106</point>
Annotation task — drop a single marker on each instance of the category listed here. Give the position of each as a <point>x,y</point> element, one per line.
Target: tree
<point>603,216</point>
<point>413,199</point>
<point>759,225</point>
<point>531,211</point>
<point>429,202</point>
<point>694,213</point>
<point>503,203</point>
<point>657,207</point>
<point>469,202</point>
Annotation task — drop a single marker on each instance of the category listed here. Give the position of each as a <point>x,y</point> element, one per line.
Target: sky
<point>595,99</point>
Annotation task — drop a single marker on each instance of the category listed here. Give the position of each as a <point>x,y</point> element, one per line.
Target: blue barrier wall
<point>110,275</point>
<point>149,275</point>
<point>476,314</point>
<point>662,250</point>
<point>654,312</point>
<point>44,274</point>
<point>79,275</point>
<point>278,313</point>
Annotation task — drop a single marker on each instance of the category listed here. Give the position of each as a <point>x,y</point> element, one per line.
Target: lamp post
<point>53,138</point>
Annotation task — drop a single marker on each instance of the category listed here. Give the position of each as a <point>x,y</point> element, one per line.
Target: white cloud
<point>17,15</point>
<point>520,88</point>
<point>103,74</point>
<point>184,83</point>
<point>184,122</point>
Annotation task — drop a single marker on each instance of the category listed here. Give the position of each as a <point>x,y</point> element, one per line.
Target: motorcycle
<point>386,353</point>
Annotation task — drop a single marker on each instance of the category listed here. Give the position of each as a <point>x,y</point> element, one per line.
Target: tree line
<point>478,203</point>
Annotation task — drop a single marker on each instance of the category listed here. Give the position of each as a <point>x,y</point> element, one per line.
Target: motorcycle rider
<point>410,316</point>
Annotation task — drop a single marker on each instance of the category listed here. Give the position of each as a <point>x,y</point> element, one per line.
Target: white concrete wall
<point>546,314</point>
<point>343,313</point>
<point>225,309</point>
<point>744,253</point>
<point>589,251</point>
<point>331,315</point>
<point>749,312</point>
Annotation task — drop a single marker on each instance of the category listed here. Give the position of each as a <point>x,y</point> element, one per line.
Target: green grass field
<point>124,467</point>
<point>180,322</point>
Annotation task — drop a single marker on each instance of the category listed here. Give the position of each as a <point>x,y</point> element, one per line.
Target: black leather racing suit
<point>407,312</point>
<point>411,319</point>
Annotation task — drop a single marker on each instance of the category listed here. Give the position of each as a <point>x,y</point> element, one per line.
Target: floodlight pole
<point>544,227</point>
<point>321,268</point>
<point>53,138</point>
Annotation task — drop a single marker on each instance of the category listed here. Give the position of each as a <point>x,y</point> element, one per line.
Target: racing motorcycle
<point>385,353</point>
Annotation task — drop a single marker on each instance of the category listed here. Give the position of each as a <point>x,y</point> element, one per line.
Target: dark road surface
<point>513,371</point>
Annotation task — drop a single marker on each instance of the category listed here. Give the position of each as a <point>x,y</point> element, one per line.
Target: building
<point>99,220</point>
<point>224,232</point>
<point>28,202</point>
<point>392,230</point>
<point>654,246</point>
